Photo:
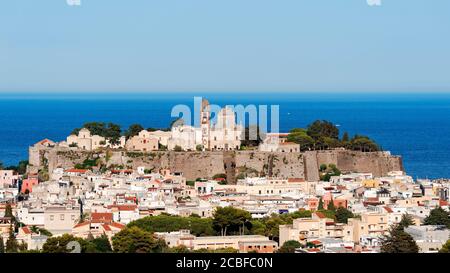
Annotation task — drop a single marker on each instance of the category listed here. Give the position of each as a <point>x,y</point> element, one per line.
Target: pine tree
<point>343,214</point>
<point>398,241</point>
<point>438,216</point>
<point>406,221</point>
<point>331,205</point>
<point>8,211</point>
<point>11,244</point>
<point>320,207</point>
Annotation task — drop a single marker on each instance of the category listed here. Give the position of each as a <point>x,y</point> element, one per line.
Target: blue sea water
<point>415,126</point>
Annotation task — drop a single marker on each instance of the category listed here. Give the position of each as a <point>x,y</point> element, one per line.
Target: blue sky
<point>224,45</point>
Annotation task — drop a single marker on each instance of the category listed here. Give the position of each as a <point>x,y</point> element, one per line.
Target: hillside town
<point>341,212</point>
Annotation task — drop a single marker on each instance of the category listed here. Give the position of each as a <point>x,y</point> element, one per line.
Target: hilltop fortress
<point>204,151</point>
<point>304,165</point>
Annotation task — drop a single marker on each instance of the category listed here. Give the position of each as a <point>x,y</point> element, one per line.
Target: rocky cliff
<point>234,164</point>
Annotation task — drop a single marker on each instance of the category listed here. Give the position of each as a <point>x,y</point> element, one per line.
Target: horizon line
<point>88,92</point>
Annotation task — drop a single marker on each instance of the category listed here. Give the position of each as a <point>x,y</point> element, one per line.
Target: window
<point>61,217</point>
<point>52,217</point>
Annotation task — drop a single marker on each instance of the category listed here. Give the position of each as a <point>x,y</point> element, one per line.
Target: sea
<point>415,126</point>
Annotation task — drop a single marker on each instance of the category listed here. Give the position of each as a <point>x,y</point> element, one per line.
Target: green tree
<point>219,175</point>
<point>406,221</point>
<point>231,220</point>
<point>12,246</point>
<point>273,226</point>
<point>102,244</point>
<point>445,248</point>
<point>301,137</point>
<point>289,247</point>
<point>177,148</point>
<point>21,168</point>
<point>342,215</point>
<point>328,213</point>
<point>219,250</point>
<point>258,227</point>
<point>398,241</point>
<point>363,144</point>
<point>133,130</point>
<point>178,249</point>
<point>330,170</point>
<point>331,205</point>
<point>8,211</point>
<point>301,214</point>
<point>167,223</point>
<point>199,148</point>
<point>135,240</point>
<point>323,167</point>
<point>322,128</point>
<point>43,231</point>
<point>67,244</point>
<point>438,216</point>
<point>110,131</point>
<point>320,206</point>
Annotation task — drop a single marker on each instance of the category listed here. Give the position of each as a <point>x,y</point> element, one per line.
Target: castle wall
<point>233,163</point>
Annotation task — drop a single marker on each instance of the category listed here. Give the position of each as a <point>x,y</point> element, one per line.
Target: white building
<point>224,135</point>
<point>84,140</point>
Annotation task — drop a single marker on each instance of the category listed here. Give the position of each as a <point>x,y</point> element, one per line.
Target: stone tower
<point>205,123</point>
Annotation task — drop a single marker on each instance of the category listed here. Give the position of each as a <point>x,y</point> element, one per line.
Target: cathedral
<point>223,135</point>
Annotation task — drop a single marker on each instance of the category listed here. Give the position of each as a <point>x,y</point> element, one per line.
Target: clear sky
<point>221,45</point>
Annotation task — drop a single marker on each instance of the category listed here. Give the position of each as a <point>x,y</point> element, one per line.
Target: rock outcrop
<point>232,163</point>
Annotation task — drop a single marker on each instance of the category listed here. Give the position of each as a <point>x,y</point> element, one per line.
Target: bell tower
<point>205,123</point>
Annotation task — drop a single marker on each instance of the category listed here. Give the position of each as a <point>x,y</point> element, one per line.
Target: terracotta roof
<point>122,171</point>
<point>288,143</point>
<point>388,209</point>
<point>76,171</point>
<point>123,207</point>
<point>296,180</point>
<point>105,217</point>
<point>117,225</point>
<point>106,227</point>
<point>320,214</point>
<point>82,224</point>
<point>26,230</point>
<point>46,140</point>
